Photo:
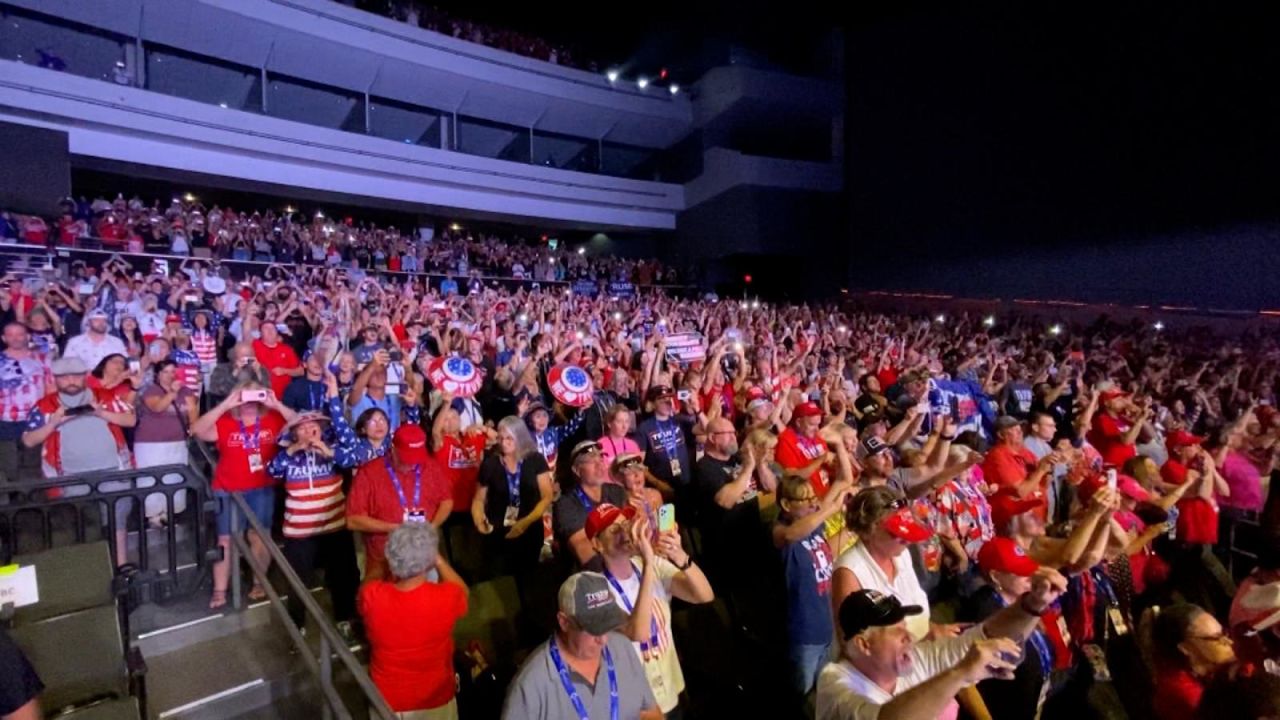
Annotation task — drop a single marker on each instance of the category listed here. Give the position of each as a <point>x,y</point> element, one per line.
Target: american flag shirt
<point>22,383</point>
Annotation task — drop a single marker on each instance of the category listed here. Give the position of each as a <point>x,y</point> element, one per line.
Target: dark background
<point>1123,152</point>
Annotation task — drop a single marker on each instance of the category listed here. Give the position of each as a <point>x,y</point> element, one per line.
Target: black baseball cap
<point>865,609</point>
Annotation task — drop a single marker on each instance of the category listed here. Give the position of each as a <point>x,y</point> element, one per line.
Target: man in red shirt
<point>407,486</point>
<point>1011,465</point>
<point>1198,509</point>
<point>1113,434</point>
<point>800,448</point>
<point>280,361</point>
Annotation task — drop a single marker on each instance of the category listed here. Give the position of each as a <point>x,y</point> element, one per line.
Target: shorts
<point>261,501</point>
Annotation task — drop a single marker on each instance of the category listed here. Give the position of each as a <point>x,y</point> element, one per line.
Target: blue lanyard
<point>569,689</point>
<point>626,603</point>
<point>417,485</point>
<point>582,498</point>
<point>1039,643</point>
<point>513,485</point>
<point>257,439</point>
<point>317,401</point>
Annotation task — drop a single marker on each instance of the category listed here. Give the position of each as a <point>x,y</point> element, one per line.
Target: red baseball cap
<point>1107,396</point>
<point>903,525</point>
<point>1006,505</point>
<point>604,515</point>
<point>1002,554</point>
<point>410,444</point>
<point>806,409</point>
<point>1182,438</point>
<point>755,392</point>
<point>173,319</point>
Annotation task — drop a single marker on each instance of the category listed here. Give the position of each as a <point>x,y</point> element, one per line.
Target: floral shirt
<point>964,514</point>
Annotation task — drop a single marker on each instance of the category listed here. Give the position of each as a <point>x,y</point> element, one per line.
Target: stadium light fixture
<point>612,75</point>
<point>288,209</point>
<point>582,251</point>
<point>189,197</point>
<point>1055,329</point>
<point>674,88</point>
<point>455,227</point>
<point>940,318</point>
<point>989,321</point>
<point>1158,326</point>
<point>643,83</point>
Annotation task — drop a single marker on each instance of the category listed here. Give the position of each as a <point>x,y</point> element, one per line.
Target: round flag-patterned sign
<point>571,385</point>
<point>456,375</point>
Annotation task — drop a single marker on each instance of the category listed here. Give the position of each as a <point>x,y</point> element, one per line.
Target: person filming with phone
<point>92,417</point>
<point>645,575</point>
<point>246,429</point>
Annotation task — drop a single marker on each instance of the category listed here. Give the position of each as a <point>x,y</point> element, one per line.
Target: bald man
<point>726,490</point>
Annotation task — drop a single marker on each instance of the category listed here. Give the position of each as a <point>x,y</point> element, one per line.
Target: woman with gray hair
<point>409,622</point>
<point>513,491</point>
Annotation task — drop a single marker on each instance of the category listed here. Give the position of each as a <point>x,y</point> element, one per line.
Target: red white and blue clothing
<point>314,502</point>
<point>23,381</point>
<point>99,445</point>
<point>352,450</point>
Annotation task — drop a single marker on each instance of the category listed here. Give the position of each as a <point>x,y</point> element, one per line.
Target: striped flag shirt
<point>314,503</point>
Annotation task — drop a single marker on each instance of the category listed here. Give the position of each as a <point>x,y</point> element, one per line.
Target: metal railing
<point>331,642</point>
<point>41,514</point>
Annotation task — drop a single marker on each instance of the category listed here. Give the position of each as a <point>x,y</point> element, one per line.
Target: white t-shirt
<point>661,664</point>
<point>844,693</point>
<point>905,585</point>
<point>91,353</point>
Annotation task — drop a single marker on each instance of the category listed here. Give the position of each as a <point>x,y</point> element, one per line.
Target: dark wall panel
<point>37,169</point>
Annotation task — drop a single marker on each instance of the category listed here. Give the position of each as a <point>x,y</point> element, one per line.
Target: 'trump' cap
<point>586,598</point>
<point>865,609</point>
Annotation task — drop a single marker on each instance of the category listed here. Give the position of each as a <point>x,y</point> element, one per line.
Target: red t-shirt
<point>795,452</point>
<point>1177,695</point>
<point>461,463</point>
<point>411,641</point>
<point>280,356</point>
<point>1197,516</point>
<point>1107,435</point>
<point>233,473</point>
<point>374,495</point>
<point>1008,466</point>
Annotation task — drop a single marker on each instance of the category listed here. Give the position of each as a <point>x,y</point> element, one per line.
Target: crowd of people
<point>906,517</point>
<point>187,227</point>
<point>435,19</point>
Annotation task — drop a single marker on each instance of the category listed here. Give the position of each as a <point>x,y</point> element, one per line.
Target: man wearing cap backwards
<point>587,670</point>
<point>643,584</point>
<point>91,416</point>
<point>662,439</point>
<point>884,673</point>
<point>802,451</point>
<point>878,468</point>
<point>407,486</point>
<point>315,526</point>
<point>25,378</point>
<point>94,343</point>
<point>570,512</point>
<point>1116,428</point>
<point>277,357</point>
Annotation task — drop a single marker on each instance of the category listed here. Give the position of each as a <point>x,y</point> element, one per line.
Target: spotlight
<point>582,251</point>
<point>580,335</point>
<point>320,214</point>
<point>455,227</point>
<point>1158,326</point>
<point>755,305</point>
<point>189,197</point>
<point>567,291</point>
<point>288,209</point>
<point>617,316</point>
<point>643,83</point>
<point>1055,329</point>
<point>940,319</point>
<point>843,329</point>
<point>522,319</point>
<point>744,306</point>
<point>674,88</point>
<point>989,320</point>
<point>612,75</point>
<point>222,105</point>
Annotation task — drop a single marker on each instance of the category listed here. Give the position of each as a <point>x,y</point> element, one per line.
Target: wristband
<point>688,563</point>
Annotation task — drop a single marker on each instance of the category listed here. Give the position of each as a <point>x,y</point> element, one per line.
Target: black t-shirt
<point>18,680</point>
<point>493,477</point>
<point>721,528</point>
<point>569,515</point>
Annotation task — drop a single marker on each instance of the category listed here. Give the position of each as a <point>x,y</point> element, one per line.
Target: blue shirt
<point>808,567</point>
<point>304,394</point>
<point>448,286</point>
